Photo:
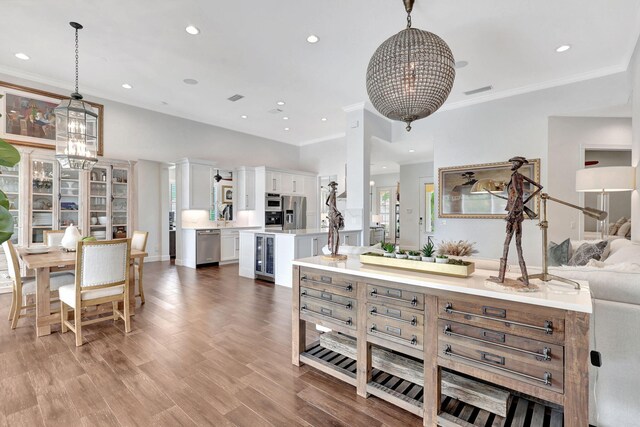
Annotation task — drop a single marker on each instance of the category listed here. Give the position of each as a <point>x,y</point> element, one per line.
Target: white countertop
<point>305,232</point>
<point>552,294</point>
<point>241,227</point>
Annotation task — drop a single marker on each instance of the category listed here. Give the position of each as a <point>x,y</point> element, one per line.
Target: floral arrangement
<point>459,248</point>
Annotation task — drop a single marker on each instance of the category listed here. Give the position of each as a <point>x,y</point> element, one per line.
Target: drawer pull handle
<point>547,328</point>
<point>348,288</point>
<point>412,341</point>
<point>414,301</point>
<point>304,294</point>
<point>412,322</point>
<point>544,355</point>
<point>347,322</point>
<point>546,379</point>
<point>492,358</point>
<point>494,312</point>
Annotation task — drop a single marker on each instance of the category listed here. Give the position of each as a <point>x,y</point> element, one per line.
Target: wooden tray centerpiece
<point>456,269</point>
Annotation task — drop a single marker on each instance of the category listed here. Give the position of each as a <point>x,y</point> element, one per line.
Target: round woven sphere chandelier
<point>411,74</point>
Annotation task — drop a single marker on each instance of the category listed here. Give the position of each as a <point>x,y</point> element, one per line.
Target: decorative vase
<point>71,238</point>
<point>414,257</point>
<point>442,260</point>
<point>389,254</point>
<point>428,259</point>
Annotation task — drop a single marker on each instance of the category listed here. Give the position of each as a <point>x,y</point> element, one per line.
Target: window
<point>384,199</point>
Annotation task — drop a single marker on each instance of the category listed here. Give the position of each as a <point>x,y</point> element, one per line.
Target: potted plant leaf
<point>389,250</point>
<point>402,254</point>
<point>9,157</point>
<point>442,259</point>
<point>414,255</point>
<point>427,252</point>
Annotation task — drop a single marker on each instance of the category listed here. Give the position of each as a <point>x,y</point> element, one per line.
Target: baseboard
<point>166,258</point>
<point>5,289</point>
<point>154,258</point>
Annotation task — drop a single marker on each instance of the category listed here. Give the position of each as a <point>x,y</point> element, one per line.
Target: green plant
<point>458,262</point>
<point>389,247</point>
<point>442,256</point>
<point>402,252</point>
<point>428,250</point>
<point>414,253</point>
<point>9,157</point>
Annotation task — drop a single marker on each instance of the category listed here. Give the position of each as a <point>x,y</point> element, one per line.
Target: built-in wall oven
<point>273,202</point>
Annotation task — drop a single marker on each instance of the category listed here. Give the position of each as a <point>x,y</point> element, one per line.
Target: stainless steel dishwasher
<point>207,247</point>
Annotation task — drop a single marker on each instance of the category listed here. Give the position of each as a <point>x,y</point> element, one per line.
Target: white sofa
<point>615,333</point>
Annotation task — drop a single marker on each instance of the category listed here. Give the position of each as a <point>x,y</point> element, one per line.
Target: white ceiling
<point>258,48</point>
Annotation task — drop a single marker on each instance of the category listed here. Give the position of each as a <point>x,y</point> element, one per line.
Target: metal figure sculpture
<point>516,208</point>
<point>336,223</point>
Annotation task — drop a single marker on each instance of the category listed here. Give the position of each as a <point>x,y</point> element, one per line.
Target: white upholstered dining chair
<point>139,242</point>
<point>102,277</point>
<point>24,286</point>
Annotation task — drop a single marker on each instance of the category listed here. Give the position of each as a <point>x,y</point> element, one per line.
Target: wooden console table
<point>536,343</point>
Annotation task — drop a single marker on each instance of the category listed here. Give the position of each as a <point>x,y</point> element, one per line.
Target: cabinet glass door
<point>259,254</point>
<point>69,197</point>
<point>98,206</point>
<point>119,206</point>
<point>42,202</point>
<point>10,184</point>
<point>270,258</point>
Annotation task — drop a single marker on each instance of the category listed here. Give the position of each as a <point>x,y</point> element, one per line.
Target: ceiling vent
<point>275,111</point>
<point>236,97</point>
<point>479,90</point>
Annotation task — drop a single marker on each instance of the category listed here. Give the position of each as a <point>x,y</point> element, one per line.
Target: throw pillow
<point>587,252</point>
<point>624,229</point>
<point>613,228</point>
<point>629,253</point>
<point>559,254</point>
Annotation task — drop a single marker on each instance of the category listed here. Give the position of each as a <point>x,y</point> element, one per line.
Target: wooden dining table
<point>55,260</point>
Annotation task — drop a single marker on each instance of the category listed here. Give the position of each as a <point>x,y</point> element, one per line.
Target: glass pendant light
<point>76,128</point>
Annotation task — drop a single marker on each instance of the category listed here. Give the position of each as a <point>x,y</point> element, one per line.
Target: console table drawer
<point>503,362</point>
<point>327,282</point>
<point>395,332</point>
<point>328,313</point>
<point>544,354</point>
<point>386,294</point>
<point>310,295</point>
<point>504,316</point>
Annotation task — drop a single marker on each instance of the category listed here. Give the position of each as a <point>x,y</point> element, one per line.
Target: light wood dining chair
<point>23,286</point>
<point>139,242</point>
<point>102,276</point>
<point>53,238</point>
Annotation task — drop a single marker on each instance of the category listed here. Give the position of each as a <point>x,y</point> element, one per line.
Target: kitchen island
<point>533,343</point>
<point>289,245</point>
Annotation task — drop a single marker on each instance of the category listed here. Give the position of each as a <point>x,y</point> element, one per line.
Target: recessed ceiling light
<point>285,118</point>
<point>412,151</point>
<point>192,30</point>
<point>22,56</point>
<point>190,81</point>
<point>563,48</point>
<point>313,39</point>
<point>280,102</point>
<point>287,129</point>
<point>384,167</point>
<point>127,86</point>
<point>324,119</point>
<point>461,64</point>
<point>244,116</point>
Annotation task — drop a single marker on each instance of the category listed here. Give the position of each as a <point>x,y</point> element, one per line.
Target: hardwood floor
<point>207,348</point>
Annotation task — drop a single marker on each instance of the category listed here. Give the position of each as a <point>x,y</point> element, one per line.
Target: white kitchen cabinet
<point>229,245</point>
<point>273,182</point>
<point>196,185</point>
<point>308,246</point>
<point>293,184</point>
<point>246,189</point>
<point>350,238</point>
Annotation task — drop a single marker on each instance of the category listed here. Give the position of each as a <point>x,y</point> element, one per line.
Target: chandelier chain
<point>77,61</point>
<point>408,20</point>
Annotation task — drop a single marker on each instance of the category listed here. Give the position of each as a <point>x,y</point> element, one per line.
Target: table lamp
<point>605,180</point>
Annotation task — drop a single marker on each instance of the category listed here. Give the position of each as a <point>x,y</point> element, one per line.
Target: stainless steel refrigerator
<point>294,209</point>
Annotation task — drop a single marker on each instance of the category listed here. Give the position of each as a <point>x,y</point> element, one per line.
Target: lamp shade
<point>608,179</point>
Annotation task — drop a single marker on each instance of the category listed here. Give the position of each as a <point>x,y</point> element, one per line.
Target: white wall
<point>568,138</point>
<point>325,158</point>
<point>634,76</point>
<point>151,211</point>
<point>410,176</point>
<point>497,130</point>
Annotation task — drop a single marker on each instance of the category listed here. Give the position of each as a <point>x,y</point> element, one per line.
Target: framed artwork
<point>227,194</point>
<point>27,117</point>
<point>463,189</point>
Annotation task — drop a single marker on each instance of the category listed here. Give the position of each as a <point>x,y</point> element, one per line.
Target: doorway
<point>427,210</point>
